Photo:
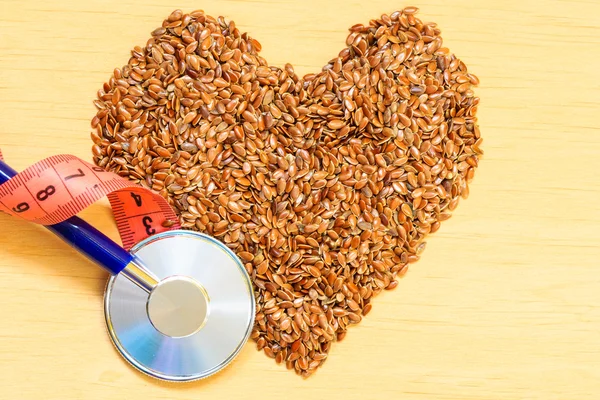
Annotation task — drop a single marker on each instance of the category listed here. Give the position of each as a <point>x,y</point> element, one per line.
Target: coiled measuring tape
<point>59,187</point>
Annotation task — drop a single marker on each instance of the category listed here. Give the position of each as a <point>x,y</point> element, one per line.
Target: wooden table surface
<point>505,301</point>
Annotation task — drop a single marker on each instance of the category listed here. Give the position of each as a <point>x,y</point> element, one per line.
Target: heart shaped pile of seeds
<point>325,186</point>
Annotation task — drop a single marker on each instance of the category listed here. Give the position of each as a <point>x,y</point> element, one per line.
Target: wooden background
<point>505,301</point>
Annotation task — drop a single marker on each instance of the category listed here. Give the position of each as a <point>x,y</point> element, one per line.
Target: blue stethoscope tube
<point>94,244</point>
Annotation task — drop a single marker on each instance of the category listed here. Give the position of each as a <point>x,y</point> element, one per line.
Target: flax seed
<point>324,186</point>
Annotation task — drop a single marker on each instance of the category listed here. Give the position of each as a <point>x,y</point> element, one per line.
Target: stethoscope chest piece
<point>195,320</point>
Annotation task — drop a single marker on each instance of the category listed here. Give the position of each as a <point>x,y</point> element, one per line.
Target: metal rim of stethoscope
<point>114,335</point>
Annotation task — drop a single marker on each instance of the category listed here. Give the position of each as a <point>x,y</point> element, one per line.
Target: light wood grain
<point>504,303</point>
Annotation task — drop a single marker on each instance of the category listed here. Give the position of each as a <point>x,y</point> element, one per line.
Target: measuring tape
<point>59,187</point>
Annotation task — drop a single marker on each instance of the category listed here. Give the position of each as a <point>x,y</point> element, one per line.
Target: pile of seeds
<point>325,186</point>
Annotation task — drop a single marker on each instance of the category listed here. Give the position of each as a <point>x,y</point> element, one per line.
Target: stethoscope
<point>179,305</point>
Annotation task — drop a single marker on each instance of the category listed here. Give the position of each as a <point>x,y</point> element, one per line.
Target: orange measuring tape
<point>58,187</point>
